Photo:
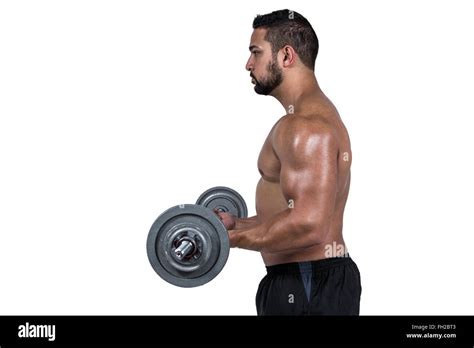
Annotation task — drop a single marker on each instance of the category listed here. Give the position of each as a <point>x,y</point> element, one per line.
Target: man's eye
<point>255,53</point>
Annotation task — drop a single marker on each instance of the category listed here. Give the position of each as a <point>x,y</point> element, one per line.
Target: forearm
<point>281,233</point>
<point>245,223</point>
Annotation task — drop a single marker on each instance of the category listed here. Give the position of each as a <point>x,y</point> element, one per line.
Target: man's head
<point>280,40</point>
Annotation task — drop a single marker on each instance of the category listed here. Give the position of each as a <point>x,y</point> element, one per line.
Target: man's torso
<point>319,112</point>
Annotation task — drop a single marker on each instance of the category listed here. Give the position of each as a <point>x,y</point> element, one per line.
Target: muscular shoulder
<point>299,135</point>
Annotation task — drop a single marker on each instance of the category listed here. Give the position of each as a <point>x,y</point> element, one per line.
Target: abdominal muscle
<point>270,201</point>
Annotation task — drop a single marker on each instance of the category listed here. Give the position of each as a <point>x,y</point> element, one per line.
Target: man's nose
<point>248,66</point>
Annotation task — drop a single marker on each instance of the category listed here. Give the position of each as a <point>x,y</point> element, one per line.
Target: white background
<point>113,111</point>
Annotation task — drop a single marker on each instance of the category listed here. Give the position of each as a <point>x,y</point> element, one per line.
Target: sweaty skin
<point>304,165</point>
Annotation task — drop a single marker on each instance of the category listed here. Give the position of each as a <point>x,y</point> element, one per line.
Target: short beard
<point>275,77</point>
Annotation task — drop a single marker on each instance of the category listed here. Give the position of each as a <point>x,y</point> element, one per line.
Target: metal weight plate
<point>224,199</point>
<point>188,245</point>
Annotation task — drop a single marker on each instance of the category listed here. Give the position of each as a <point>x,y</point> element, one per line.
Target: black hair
<point>287,27</point>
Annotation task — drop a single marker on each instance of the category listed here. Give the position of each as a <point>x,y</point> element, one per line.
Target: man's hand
<point>227,219</point>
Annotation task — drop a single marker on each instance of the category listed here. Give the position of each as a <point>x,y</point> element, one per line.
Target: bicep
<point>308,177</point>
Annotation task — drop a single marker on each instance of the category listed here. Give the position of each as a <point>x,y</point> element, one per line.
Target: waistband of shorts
<point>314,266</point>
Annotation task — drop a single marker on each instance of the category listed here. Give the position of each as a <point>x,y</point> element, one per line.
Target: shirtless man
<point>305,167</point>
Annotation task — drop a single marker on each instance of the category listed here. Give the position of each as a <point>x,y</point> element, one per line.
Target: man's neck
<point>294,89</point>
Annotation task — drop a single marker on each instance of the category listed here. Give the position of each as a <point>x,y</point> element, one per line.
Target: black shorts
<point>325,287</point>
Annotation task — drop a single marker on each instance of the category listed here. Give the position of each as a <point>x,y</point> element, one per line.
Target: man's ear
<point>289,56</point>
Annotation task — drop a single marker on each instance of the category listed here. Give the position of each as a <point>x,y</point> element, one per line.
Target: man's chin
<point>262,91</point>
